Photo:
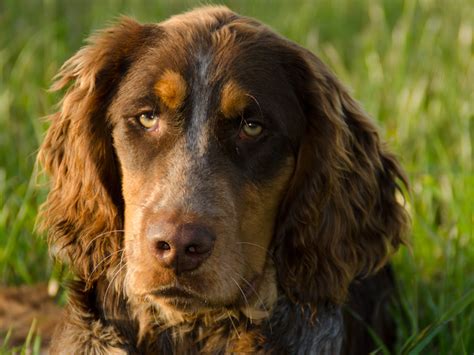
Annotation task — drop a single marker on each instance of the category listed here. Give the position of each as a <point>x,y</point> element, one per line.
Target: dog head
<point>214,161</point>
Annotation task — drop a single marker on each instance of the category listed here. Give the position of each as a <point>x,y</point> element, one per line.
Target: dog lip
<point>180,297</point>
<point>174,292</point>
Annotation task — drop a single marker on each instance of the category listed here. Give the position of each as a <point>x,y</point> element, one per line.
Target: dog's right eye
<point>148,120</point>
<point>250,130</point>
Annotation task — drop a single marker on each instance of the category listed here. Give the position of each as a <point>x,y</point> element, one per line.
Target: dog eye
<point>148,120</point>
<point>251,129</point>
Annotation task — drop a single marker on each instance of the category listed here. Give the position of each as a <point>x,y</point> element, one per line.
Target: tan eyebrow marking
<point>171,88</point>
<point>233,99</point>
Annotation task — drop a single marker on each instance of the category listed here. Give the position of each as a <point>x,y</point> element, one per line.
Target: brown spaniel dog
<point>215,189</point>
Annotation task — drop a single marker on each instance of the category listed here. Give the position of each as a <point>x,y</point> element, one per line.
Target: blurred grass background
<point>409,62</point>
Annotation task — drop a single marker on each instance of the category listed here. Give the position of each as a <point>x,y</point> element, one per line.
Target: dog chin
<point>181,300</point>
<point>176,310</point>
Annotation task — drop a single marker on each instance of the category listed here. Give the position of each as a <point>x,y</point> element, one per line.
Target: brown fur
<point>298,213</point>
<point>171,88</point>
<point>233,100</point>
<point>358,222</point>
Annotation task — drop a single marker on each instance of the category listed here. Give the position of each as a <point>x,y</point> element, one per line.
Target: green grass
<point>409,62</point>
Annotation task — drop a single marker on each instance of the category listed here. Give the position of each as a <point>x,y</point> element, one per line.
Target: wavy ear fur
<point>83,211</point>
<point>341,218</point>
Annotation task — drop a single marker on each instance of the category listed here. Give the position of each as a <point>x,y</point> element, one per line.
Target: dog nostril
<point>191,249</point>
<point>182,247</point>
<point>163,246</point>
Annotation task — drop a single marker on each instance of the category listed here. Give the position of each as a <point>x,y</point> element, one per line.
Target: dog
<point>216,189</point>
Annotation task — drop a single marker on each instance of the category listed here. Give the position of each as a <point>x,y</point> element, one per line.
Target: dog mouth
<point>182,297</point>
<point>179,297</point>
<point>174,292</point>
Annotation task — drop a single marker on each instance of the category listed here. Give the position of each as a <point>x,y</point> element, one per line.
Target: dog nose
<point>183,248</point>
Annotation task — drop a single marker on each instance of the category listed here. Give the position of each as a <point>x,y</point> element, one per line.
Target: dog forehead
<point>202,75</point>
<point>211,69</point>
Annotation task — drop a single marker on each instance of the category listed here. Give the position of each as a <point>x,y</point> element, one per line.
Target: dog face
<point>212,161</point>
<point>204,128</point>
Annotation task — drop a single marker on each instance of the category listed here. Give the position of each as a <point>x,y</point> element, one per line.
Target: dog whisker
<point>255,292</point>
<point>241,291</point>
<point>114,276</point>
<point>101,235</point>
<point>258,246</point>
<point>102,261</point>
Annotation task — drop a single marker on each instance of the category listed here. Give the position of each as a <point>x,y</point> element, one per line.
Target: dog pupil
<point>163,246</point>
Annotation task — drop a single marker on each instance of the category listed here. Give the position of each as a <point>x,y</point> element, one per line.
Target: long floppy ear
<point>83,211</point>
<point>341,217</point>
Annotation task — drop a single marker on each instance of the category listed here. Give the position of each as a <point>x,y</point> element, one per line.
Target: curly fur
<point>357,221</point>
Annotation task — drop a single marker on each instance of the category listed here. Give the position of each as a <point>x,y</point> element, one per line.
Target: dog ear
<point>341,217</point>
<point>83,211</point>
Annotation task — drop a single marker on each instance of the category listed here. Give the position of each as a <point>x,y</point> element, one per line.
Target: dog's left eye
<point>148,120</point>
<point>251,130</point>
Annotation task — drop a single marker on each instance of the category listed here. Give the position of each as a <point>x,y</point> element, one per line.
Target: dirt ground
<point>20,306</point>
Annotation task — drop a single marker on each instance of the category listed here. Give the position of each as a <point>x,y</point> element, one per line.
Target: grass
<point>409,62</point>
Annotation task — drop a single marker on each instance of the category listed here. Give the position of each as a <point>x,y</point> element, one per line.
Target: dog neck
<point>286,328</point>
